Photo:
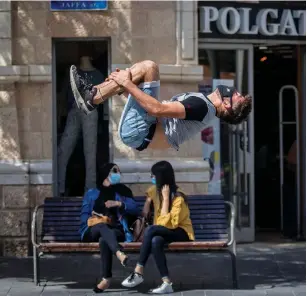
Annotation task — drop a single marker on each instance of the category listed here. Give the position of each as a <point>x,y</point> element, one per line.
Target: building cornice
<point>43,73</point>
<point>133,171</point>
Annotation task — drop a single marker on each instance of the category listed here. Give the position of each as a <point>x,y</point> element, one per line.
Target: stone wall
<point>16,205</point>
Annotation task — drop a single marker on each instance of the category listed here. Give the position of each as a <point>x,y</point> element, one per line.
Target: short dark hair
<point>239,111</point>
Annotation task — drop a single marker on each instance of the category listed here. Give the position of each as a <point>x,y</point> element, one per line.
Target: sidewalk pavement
<point>263,269</point>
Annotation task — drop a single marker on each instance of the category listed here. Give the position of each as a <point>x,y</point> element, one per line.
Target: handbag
<point>138,228</point>
<point>95,219</point>
<point>140,224</point>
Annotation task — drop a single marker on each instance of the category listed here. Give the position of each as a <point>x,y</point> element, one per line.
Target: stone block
<point>23,50</point>
<point>120,150</point>
<point>140,26</point>
<point>30,5</point>
<point>35,120</point>
<point>29,95</point>
<point>5,24</point>
<point>5,5</point>
<point>162,23</point>
<point>121,5</point>
<point>84,24</point>
<point>24,119</point>
<point>187,188</point>
<point>46,97</point>
<point>121,47</point>
<point>139,49</point>
<point>15,196</point>
<point>139,189</point>
<point>14,223</point>
<point>15,248</point>
<point>30,23</point>
<point>9,138</point>
<point>6,51</point>
<point>162,50</point>
<point>200,188</point>
<point>47,145</point>
<point>115,116</point>
<point>43,51</point>
<point>31,145</point>
<point>141,5</point>
<point>38,193</point>
<point>7,95</point>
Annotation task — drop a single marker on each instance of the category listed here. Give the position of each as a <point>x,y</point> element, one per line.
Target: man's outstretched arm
<point>150,104</point>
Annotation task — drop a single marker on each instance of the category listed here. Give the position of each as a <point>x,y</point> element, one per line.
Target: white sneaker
<point>165,288</point>
<point>133,280</point>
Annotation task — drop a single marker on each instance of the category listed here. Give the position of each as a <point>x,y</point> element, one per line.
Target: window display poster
<point>211,138</point>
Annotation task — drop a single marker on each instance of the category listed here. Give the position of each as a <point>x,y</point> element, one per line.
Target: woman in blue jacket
<point>105,216</point>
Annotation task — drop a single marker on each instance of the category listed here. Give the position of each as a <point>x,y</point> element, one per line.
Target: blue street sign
<point>79,5</point>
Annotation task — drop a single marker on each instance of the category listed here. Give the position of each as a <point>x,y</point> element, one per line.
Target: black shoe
<point>97,290</point>
<point>83,91</point>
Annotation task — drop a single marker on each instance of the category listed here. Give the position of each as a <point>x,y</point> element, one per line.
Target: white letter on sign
<point>245,16</point>
<point>207,15</point>
<point>287,24</point>
<point>301,15</point>
<point>234,24</point>
<point>264,28</point>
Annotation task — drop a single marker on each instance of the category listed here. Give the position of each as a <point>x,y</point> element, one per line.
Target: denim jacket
<point>129,207</point>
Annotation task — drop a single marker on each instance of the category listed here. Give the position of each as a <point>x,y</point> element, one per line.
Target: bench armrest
<point>231,239</point>
<point>33,226</point>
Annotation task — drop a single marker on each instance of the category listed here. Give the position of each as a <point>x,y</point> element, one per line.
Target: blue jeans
<point>155,238</point>
<point>135,121</point>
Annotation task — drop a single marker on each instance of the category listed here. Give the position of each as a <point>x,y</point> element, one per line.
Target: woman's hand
<point>165,192</point>
<point>121,76</point>
<point>112,204</point>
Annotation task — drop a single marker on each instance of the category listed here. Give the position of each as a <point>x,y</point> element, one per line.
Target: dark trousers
<point>108,238</point>
<point>155,238</point>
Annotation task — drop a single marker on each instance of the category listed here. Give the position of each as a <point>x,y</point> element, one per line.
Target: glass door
<point>232,64</point>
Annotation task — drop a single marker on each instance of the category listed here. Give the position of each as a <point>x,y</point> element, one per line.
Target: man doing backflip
<point>148,123</point>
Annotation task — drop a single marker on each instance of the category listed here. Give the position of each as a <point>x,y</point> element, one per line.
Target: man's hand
<point>112,204</point>
<point>121,76</point>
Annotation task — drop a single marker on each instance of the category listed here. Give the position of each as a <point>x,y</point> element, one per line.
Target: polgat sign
<point>252,22</point>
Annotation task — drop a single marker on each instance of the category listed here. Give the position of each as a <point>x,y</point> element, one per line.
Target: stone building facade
<point>163,31</point>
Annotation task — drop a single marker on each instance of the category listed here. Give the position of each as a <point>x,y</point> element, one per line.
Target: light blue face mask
<point>114,178</point>
<point>153,180</point>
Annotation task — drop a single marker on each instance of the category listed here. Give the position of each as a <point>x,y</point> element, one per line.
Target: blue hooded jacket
<point>129,207</point>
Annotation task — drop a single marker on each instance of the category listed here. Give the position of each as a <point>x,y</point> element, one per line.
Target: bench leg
<point>36,267</point>
<point>234,270</point>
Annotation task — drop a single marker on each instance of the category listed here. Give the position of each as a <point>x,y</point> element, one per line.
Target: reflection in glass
<point>223,64</point>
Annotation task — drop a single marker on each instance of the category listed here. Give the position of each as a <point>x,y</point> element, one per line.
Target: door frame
<point>244,234</point>
<point>54,42</point>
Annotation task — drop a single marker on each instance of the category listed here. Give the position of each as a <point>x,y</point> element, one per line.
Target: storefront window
<point>79,137</point>
<point>224,149</point>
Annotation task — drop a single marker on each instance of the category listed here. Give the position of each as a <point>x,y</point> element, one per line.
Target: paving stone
<point>249,293</point>
<point>218,293</point>
<point>281,293</point>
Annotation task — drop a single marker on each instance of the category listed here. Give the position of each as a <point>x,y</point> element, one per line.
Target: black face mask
<point>226,92</point>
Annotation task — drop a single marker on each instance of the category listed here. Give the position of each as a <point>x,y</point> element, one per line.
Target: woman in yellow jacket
<point>172,223</point>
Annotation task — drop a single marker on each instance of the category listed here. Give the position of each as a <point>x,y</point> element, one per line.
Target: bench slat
<point>51,238</point>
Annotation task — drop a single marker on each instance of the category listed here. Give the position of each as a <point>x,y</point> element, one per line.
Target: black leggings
<point>108,238</point>
<point>155,238</point>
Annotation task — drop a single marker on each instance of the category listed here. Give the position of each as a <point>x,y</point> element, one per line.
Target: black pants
<point>108,238</point>
<point>155,238</point>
